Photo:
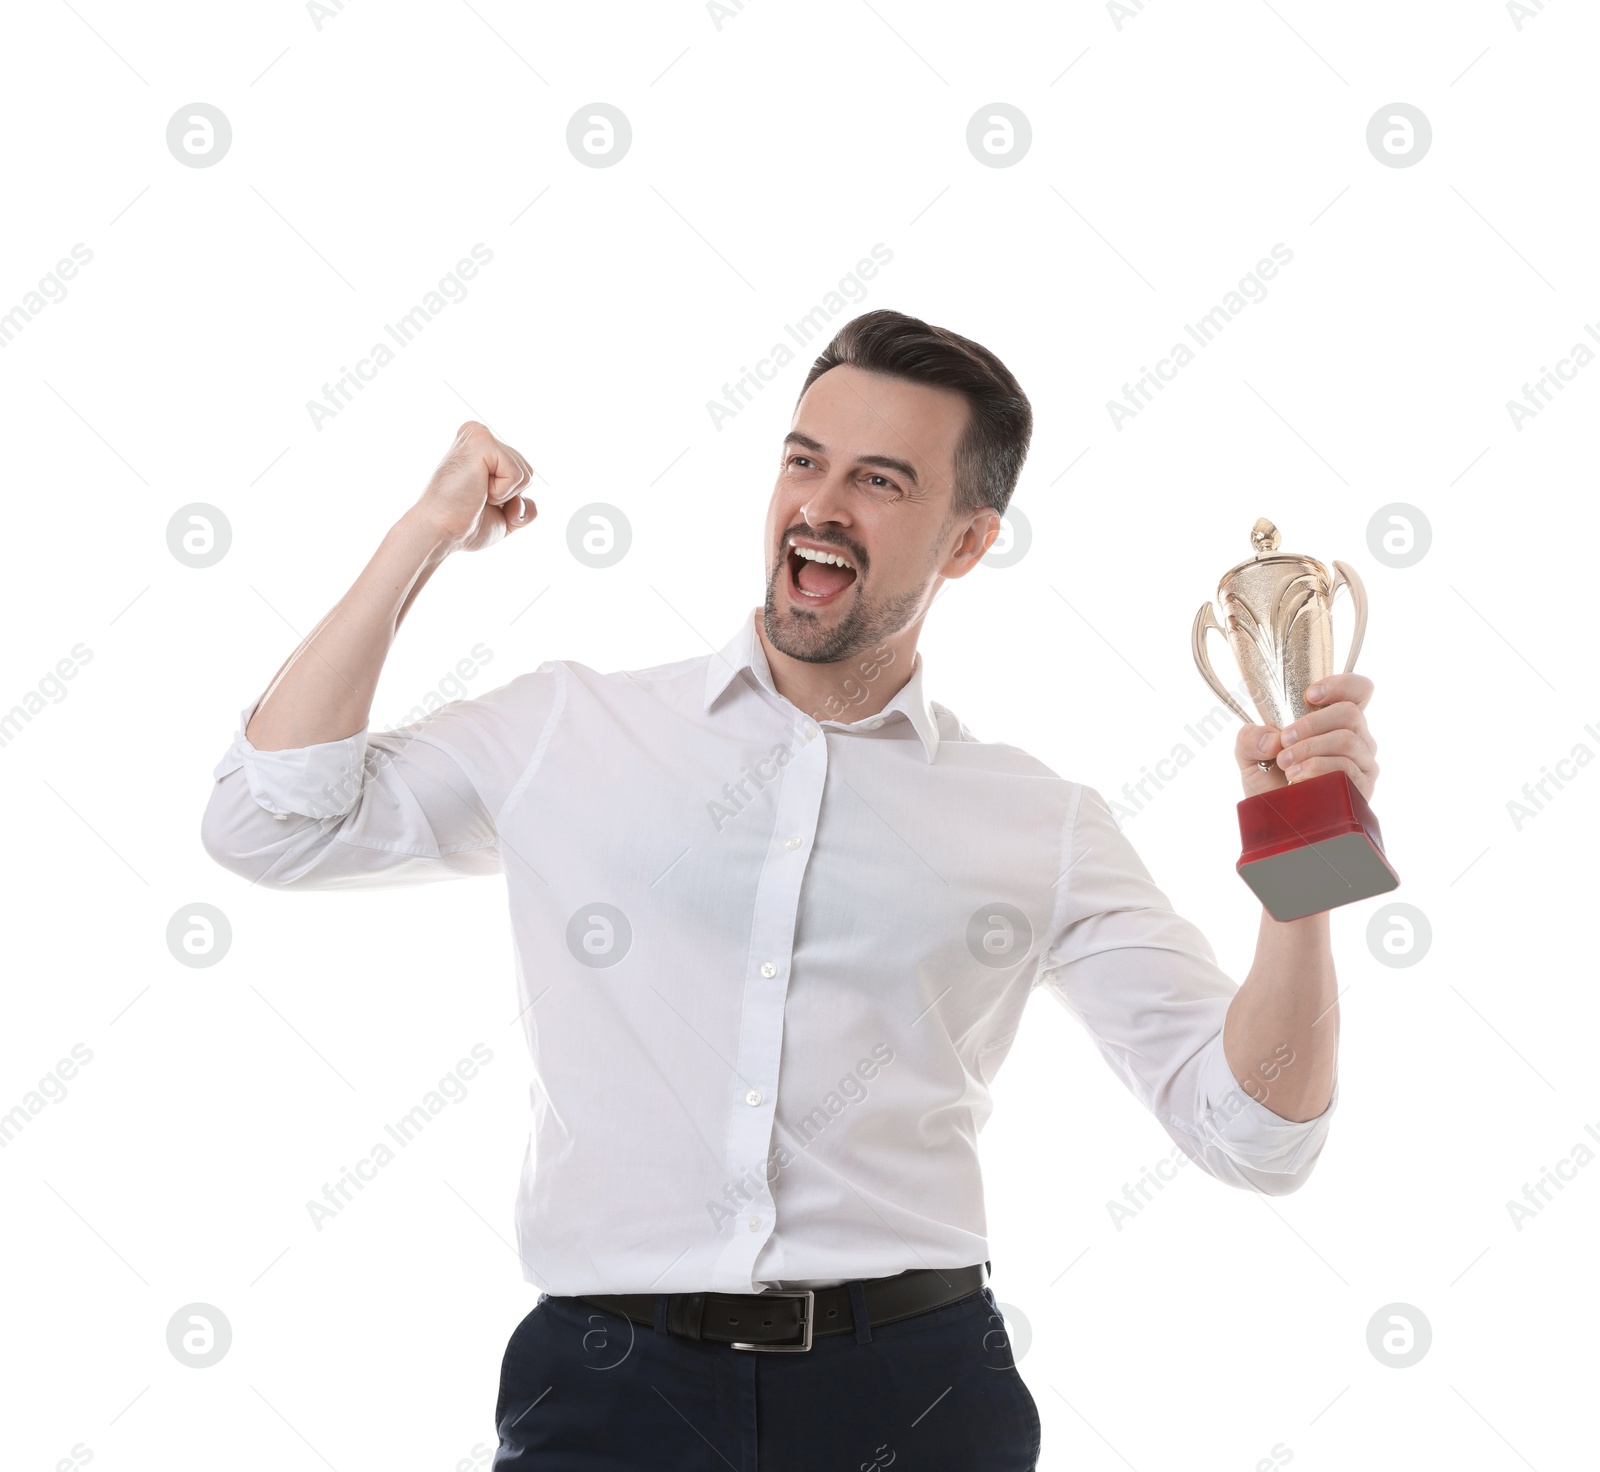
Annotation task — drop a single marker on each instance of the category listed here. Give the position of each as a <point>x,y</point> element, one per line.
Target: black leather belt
<point>789,1319</point>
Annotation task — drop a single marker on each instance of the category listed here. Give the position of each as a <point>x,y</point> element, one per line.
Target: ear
<point>975,541</point>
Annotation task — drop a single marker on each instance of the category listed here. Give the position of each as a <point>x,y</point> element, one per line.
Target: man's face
<point>867,474</point>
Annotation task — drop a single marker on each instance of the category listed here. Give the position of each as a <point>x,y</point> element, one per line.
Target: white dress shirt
<point>768,965</point>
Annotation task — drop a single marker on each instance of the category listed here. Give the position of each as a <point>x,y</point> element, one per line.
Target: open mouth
<point>817,575</point>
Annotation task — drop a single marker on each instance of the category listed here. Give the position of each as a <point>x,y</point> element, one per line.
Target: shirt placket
<point>754,1086</point>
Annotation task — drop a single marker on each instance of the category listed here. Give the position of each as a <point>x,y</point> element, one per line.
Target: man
<point>776,917</point>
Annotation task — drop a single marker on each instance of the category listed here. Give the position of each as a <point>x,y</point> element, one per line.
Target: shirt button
<point>753,1097</point>
<point>874,723</point>
<point>768,969</point>
<point>755,1224</point>
<point>811,731</point>
<point>793,841</point>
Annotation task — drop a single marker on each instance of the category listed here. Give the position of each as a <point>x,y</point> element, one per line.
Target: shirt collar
<point>744,651</point>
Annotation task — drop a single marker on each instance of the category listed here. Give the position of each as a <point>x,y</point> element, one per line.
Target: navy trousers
<point>585,1390</point>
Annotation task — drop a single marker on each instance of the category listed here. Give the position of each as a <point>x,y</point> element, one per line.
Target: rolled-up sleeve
<point>380,808</point>
<point>1145,983</point>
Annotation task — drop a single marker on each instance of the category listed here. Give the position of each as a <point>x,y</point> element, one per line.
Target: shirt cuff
<point>319,781</point>
<point>1250,1133</point>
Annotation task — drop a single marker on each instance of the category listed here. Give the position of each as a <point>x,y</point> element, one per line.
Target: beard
<point>805,634</point>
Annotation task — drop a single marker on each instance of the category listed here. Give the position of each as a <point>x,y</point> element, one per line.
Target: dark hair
<point>989,456</point>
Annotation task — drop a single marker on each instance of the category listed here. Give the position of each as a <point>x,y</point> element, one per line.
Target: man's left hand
<point>1331,736</point>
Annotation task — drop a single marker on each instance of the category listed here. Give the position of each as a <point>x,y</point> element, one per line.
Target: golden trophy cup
<point>1313,845</point>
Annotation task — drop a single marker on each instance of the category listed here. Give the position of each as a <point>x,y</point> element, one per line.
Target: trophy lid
<point>1264,542</point>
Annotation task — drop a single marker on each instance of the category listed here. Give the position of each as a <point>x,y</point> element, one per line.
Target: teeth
<point>813,556</point>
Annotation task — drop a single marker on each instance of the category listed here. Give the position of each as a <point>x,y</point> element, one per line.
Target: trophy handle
<point>1344,573</point>
<point>1204,620</point>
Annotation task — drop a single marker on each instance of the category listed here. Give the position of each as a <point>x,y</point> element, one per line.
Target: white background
<point>769,154</point>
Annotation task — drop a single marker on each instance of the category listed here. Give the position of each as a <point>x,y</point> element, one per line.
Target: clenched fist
<point>1331,737</point>
<point>476,495</point>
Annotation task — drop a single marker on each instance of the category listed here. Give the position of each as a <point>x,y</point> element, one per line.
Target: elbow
<point>224,847</point>
<point>217,837</point>
<point>1271,1182</point>
<point>234,838</point>
<point>1246,1144</point>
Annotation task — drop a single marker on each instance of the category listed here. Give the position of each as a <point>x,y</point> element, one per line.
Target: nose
<point>828,502</point>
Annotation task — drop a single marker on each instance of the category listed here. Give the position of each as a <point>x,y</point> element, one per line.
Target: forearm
<point>324,690</point>
<point>1281,1033</point>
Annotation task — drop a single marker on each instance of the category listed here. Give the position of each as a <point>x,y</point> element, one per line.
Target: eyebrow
<point>883,462</point>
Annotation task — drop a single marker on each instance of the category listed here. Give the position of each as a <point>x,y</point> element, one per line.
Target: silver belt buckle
<point>810,1297</point>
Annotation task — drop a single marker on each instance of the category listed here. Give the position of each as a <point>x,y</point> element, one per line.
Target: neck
<point>846,689</point>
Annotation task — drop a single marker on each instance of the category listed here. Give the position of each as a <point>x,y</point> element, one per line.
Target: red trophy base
<point>1312,846</point>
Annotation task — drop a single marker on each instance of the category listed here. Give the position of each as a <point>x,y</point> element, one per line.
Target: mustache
<point>849,549</point>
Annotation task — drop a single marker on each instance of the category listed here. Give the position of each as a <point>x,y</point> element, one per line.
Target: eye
<point>883,483</point>
<point>797,459</point>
